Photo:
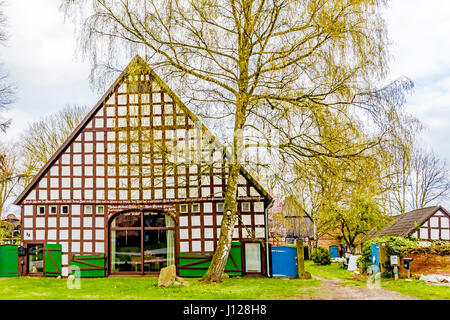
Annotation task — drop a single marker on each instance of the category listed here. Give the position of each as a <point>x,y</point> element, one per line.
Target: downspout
<point>266,216</point>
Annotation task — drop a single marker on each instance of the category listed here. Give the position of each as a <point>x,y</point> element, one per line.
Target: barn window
<point>52,209</point>
<point>142,247</point>
<point>41,209</point>
<point>65,209</point>
<point>195,207</point>
<point>183,208</point>
<point>245,206</point>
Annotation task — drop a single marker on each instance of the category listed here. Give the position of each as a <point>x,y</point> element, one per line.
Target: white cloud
<point>41,60</point>
<point>19,122</point>
<point>419,31</point>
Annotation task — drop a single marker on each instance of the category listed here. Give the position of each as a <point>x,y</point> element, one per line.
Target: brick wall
<point>427,264</point>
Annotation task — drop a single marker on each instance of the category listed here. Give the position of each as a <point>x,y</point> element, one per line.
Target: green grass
<point>330,272</point>
<point>414,288</point>
<point>131,288</point>
<point>417,288</point>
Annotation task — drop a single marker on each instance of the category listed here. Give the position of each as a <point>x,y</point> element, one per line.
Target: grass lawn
<point>414,288</point>
<point>146,288</point>
<point>417,288</point>
<point>330,272</point>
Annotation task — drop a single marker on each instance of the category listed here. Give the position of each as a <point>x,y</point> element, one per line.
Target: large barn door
<point>52,260</point>
<point>8,261</point>
<point>195,265</point>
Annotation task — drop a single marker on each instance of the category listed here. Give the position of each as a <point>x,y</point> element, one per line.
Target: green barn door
<point>8,261</point>
<point>195,265</point>
<point>52,260</point>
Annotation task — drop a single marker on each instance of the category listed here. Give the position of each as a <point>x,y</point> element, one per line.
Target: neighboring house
<point>289,221</point>
<point>11,218</point>
<point>112,188</point>
<point>297,221</point>
<point>15,222</point>
<point>432,223</point>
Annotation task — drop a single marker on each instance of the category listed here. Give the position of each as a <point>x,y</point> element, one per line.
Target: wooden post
<point>383,255</point>
<point>302,274</point>
<point>300,258</point>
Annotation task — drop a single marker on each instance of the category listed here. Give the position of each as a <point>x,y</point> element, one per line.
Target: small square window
<point>219,207</point>
<point>88,209</point>
<point>245,206</point>
<point>65,209</point>
<point>52,209</point>
<point>100,209</point>
<point>41,210</point>
<point>183,208</point>
<point>195,207</point>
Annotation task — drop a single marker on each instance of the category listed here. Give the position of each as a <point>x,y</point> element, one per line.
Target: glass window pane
<point>126,251</point>
<point>35,258</point>
<point>154,219</point>
<point>155,249</point>
<point>129,219</point>
<point>253,257</point>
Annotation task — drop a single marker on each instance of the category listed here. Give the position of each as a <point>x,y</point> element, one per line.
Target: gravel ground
<point>334,290</point>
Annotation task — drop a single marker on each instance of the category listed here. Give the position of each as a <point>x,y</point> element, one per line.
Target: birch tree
<point>429,179</point>
<point>248,61</point>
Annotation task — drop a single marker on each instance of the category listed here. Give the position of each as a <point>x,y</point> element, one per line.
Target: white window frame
<point>39,210</point>
<point>218,205</point>
<point>183,208</point>
<point>102,209</point>
<point>56,210</point>
<point>195,205</point>
<point>62,209</point>
<point>85,209</point>
<point>243,205</point>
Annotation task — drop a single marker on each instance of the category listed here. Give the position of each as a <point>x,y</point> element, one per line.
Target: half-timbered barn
<point>431,223</point>
<point>137,186</point>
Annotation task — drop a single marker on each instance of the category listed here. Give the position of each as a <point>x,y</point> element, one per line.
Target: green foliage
<point>356,218</point>
<point>401,247</point>
<point>321,256</point>
<point>6,229</point>
<point>364,262</point>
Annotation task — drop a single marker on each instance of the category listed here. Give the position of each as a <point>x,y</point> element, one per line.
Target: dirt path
<point>334,290</point>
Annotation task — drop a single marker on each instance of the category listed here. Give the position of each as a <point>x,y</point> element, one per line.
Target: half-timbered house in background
<point>431,223</point>
<point>131,191</point>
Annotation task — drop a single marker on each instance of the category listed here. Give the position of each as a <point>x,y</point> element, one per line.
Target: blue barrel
<point>284,262</point>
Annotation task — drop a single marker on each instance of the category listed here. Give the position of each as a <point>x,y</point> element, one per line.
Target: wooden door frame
<point>141,229</point>
<point>27,259</point>
<point>262,257</point>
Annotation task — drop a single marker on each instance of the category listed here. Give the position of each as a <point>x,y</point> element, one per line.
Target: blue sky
<point>41,59</point>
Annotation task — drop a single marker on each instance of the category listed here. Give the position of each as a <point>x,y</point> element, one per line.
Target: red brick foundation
<point>427,264</point>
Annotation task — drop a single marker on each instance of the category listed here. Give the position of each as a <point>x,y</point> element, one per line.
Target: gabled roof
<point>296,220</point>
<point>405,224</point>
<point>99,105</point>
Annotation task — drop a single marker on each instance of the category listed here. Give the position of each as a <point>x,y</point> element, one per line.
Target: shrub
<point>401,247</point>
<point>321,256</point>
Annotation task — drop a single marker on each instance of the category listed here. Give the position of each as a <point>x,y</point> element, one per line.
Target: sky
<point>42,61</point>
